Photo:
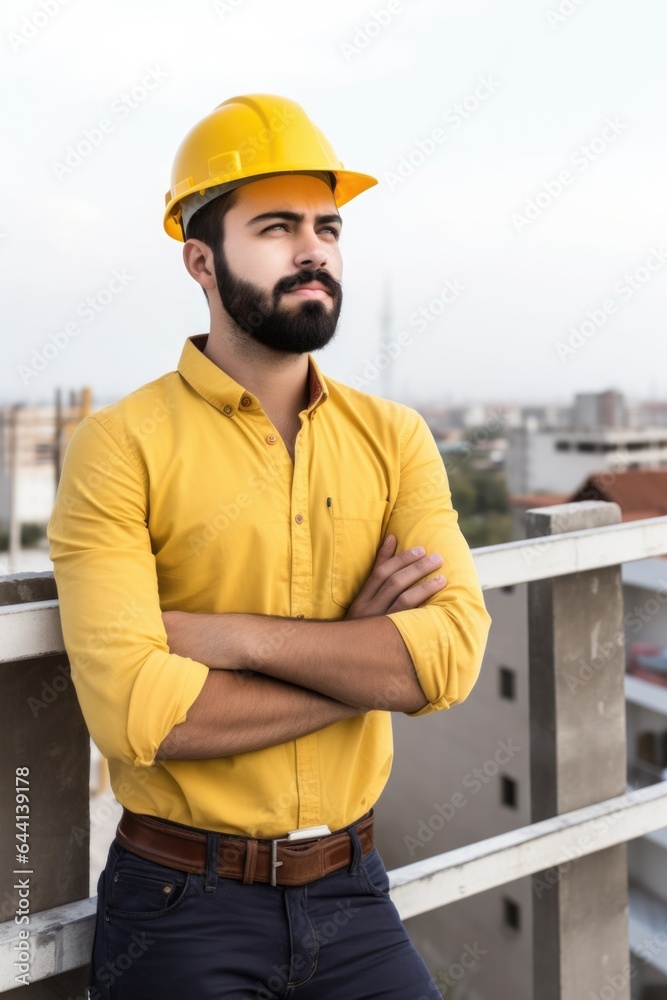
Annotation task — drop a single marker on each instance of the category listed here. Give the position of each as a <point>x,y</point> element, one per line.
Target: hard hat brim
<point>349,184</point>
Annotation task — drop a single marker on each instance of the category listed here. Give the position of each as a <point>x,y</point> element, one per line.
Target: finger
<point>380,594</point>
<point>415,596</point>
<point>385,567</point>
<point>386,563</point>
<point>405,575</point>
<point>385,584</point>
<point>386,550</point>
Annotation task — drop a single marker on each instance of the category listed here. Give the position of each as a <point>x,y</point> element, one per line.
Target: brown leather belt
<point>274,861</point>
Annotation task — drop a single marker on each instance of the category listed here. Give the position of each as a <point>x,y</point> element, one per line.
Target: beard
<point>307,326</point>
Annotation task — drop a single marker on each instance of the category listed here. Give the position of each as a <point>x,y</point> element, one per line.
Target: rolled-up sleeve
<point>446,637</point>
<point>131,689</point>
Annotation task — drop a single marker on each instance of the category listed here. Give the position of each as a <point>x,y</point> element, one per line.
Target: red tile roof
<point>640,493</point>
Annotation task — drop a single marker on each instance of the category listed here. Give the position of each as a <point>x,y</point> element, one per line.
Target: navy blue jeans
<point>170,935</point>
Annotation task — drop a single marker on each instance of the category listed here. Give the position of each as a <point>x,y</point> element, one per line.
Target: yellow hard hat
<point>245,138</point>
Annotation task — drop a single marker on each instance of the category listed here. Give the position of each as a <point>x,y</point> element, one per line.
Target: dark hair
<point>207,223</point>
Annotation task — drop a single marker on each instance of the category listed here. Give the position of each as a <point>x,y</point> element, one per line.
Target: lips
<point>309,293</point>
<point>311,290</point>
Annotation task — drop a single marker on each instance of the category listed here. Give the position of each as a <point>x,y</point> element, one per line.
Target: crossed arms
<point>305,674</point>
<point>185,686</point>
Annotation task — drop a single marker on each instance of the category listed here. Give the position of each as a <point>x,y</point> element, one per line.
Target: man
<point>247,561</point>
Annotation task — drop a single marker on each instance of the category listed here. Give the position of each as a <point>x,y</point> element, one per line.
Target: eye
<point>275,225</point>
<point>333,230</point>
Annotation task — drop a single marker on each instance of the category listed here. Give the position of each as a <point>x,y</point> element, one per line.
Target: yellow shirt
<point>183,496</point>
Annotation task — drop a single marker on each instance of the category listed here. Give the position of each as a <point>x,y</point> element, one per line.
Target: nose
<point>312,253</point>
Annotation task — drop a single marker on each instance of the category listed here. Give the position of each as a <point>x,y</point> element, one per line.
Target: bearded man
<point>256,565</point>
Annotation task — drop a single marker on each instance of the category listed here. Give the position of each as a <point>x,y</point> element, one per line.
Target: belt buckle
<point>305,833</point>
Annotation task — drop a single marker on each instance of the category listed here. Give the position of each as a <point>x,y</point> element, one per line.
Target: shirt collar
<point>220,389</point>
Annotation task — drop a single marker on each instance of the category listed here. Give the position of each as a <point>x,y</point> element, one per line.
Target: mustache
<point>303,278</point>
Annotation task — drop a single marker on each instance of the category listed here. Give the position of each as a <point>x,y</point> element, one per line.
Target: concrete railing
<point>581,808</point>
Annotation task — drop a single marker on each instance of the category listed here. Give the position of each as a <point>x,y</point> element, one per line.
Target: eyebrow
<point>295,217</point>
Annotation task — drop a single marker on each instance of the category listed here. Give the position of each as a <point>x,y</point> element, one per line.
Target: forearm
<point>363,662</point>
<point>235,713</point>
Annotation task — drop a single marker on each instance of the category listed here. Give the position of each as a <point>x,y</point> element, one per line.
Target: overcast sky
<point>541,199</point>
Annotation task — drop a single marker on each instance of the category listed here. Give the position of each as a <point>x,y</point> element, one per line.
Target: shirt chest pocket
<point>357,527</point>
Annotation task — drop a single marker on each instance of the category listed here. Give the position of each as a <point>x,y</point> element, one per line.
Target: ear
<point>198,259</point>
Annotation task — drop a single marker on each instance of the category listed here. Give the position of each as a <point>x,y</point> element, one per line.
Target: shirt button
<point>246,401</point>
<point>271,438</point>
<point>228,409</point>
<point>301,616</point>
<point>299,518</point>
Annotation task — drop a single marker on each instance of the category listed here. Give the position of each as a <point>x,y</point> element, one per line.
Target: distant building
<point>598,410</point>
<point>27,466</point>
<point>472,415</point>
<point>546,417</point>
<point>650,414</point>
<point>601,434</point>
<point>32,442</point>
<point>558,461</point>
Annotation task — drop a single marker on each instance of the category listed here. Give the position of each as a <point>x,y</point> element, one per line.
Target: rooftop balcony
<point>581,807</point>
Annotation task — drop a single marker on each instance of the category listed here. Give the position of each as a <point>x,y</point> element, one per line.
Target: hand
<point>396,582</point>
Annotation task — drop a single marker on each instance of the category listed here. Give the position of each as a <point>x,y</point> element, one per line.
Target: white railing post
<point>44,790</point>
<point>578,757</point>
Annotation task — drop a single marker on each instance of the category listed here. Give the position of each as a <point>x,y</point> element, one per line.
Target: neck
<point>280,381</point>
